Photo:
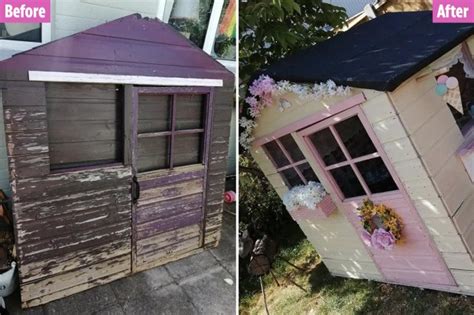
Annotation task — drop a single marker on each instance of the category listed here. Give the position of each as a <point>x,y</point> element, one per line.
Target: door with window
<point>346,148</point>
<point>169,152</point>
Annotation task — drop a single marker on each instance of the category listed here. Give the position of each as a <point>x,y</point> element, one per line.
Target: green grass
<point>334,295</point>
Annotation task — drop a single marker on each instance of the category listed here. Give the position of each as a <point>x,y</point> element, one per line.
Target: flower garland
<point>304,196</point>
<point>382,226</point>
<point>263,89</point>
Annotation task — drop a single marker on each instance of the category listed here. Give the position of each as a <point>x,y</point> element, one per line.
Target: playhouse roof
<point>379,54</point>
<point>131,45</point>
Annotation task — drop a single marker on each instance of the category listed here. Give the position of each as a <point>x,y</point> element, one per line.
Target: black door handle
<point>135,189</point>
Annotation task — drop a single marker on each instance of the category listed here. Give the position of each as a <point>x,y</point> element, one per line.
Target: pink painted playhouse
<point>381,116</point>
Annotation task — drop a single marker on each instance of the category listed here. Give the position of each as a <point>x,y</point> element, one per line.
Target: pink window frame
<point>329,123</point>
<point>294,165</point>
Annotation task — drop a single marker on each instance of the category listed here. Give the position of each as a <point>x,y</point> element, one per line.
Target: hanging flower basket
<point>382,226</point>
<point>309,201</point>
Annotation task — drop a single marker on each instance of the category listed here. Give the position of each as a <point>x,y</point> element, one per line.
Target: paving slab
<point>191,265</point>
<point>212,292</point>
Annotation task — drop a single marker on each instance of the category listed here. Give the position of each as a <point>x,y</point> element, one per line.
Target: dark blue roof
<point>379,54</point>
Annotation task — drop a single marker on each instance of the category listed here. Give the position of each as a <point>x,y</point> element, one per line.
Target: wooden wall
<point>217,167</point>
<point>334,238</point>
<point>72,230</point>
<point>434,176</point>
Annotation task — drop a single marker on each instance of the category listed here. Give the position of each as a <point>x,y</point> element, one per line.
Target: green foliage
<point>271,29</point>
<point>259,203</point>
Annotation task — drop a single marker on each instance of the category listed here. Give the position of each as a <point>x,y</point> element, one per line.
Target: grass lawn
<point>335,295</point>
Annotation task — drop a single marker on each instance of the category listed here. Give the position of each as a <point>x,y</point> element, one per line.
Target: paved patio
<point>201,284</point>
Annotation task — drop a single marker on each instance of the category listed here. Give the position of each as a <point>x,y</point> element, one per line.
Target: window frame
<point>208,94</point>
<point>329,123</point>
<point>18,45</point>
<point>292,164</point>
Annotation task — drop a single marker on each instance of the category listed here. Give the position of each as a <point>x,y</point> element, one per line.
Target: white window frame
<point>163,13</point>
<point>19,45</point>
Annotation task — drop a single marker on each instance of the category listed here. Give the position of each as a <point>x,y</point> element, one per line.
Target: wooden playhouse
<point>117,145</point>
<point>394,125</point>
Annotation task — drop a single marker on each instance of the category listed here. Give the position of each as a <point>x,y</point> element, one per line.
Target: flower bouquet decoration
<point>382,226</point>
<point>308,201</point>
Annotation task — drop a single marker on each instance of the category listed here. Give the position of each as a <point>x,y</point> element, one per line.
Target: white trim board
<point>76,77</point>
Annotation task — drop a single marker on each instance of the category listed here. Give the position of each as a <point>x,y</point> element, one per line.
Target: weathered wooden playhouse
<point>117,145</point>
<point>394,137</point>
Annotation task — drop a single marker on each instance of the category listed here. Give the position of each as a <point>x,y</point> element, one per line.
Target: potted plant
<point>308,201</point>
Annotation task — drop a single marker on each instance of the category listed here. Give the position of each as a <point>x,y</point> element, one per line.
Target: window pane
<point>154,112</point>
<point>327,147</point>
<point>292,148</point>
<point>190,111</point>
<point>347,182</point>
<point>27,32</point>
<point>376,175</point>
<point>85,124</point>
<point>224,46</point>
<point>276,153</point>
<point>191,19</point>
<point>153,153</point>
<point>291,177</point>
<point>354,137</point>
<point>308,173</point>
<point>187,149</point>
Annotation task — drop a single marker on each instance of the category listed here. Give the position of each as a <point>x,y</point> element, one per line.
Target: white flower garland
<point>265,88</point>
<point>307,196</point>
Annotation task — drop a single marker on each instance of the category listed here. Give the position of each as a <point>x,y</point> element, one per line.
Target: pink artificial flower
<point>366,238</point>
<point>252,101</point>
<point>382,239</point>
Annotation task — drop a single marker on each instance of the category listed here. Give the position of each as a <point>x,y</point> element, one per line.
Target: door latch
<point>135,189</point>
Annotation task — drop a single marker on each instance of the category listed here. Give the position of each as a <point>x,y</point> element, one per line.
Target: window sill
<point>466,151</point>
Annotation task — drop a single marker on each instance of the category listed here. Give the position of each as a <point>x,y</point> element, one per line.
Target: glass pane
<point>276,153</point>
<point>354,137</point>
<point>291,177</point>
<point>376,175</point>
<point>327,147</point>
<point>187,149</point>
<point>308,173</point>
<point>27,32</point>
<point>153,153</point>
<point>190,111</point>
<point>191,18</point>
<point>292,148</point>
<point>347,182</point>
<point>224,46</point>
<point>154,112</point>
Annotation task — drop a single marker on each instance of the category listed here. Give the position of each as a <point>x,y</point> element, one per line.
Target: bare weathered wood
<point>27,143</point>
<point>169,192</point>
<point>57,185</point>
<point>49,248</point>
<point>74,278</point>
<point>29,165</point>
<point>64,263</point>
<point>162,240</point>
<point>168,177</point>
<point>168,208</point>
<point>190,217</point>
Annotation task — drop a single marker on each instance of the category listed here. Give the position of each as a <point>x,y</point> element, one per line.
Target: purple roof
<point>131,45</point>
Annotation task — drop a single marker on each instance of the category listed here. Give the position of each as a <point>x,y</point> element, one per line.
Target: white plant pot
<point>187,9</point>
<point>8,281</point>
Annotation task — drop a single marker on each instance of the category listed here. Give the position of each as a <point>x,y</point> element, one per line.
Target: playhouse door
<point>169,153</point>
<point>346,148</point>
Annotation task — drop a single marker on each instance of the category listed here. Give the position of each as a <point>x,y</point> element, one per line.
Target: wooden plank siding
<point>433,175</point>
<point>217,166</point>
<point>72,229</point>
